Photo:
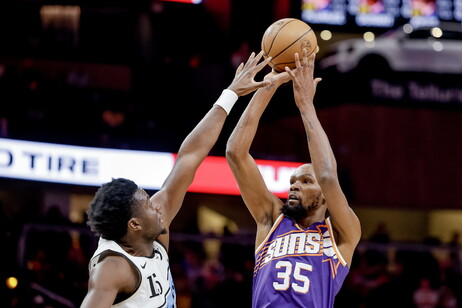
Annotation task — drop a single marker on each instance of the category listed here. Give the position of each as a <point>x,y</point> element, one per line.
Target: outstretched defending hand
<point>276,78</point>
<point>302,77</point>
<point>243,82</point>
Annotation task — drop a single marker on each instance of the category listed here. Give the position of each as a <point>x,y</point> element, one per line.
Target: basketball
<point>284,38</point>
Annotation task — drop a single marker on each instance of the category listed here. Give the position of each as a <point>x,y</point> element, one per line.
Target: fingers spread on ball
<point>305,57</point>
<point>297,61</point>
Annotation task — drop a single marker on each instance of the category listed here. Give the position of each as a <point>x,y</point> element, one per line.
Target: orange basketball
<point>284,38</point>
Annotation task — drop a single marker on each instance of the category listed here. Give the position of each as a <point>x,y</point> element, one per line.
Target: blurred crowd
<point>411,276</point>
<point>67,110</point>
<point>155,112</point>
<point>173,81</point>
<point>49,256</point>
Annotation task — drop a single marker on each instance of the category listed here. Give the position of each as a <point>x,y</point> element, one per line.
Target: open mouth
<point>293,199</point>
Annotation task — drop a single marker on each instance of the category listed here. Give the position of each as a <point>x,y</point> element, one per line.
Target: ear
<point>133,224</point>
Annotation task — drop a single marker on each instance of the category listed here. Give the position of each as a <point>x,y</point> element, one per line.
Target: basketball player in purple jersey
<point>302,255</point>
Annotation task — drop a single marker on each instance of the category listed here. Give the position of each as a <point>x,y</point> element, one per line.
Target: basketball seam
<point>276,35</point>
<point>298,39</point>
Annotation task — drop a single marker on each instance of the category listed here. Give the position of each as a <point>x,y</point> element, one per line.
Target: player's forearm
<point>321,153</point>
<point>191,154</point>
<point>241,138</point>
<point>203,137</point>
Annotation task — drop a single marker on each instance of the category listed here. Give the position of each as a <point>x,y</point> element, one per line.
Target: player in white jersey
<point>130,266</point>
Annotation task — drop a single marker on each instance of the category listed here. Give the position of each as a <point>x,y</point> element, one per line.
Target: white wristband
<point>227,100</point>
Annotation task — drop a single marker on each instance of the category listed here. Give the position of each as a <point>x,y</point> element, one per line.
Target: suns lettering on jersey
<point>299,243</point>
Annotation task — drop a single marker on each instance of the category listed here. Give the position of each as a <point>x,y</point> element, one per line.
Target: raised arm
<point>200,141</point>
<point>262,204</point>
<point>345,223</point>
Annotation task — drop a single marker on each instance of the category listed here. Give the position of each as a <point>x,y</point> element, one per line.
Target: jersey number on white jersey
<point>156,288</point>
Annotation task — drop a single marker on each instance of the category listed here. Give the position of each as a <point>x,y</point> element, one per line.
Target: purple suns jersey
<point>297,267</point>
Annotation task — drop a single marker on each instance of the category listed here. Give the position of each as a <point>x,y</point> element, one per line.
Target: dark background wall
<point>154,69</point>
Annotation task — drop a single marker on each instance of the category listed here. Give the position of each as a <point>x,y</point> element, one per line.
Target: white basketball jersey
<point>156,288</point>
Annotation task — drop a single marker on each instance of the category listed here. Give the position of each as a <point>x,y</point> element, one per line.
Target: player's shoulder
<point>115,270</point>
<point>112,262</point>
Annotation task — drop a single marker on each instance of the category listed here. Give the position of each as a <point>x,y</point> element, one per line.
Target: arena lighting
<point>437,32</point>
<point>325,35</point>
<point>369,36</point>
<point>185,1</point>
<point>408,28</point>
<point>76,165</point>
<point>11,282</point>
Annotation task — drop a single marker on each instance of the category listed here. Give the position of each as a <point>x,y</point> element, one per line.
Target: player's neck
<point>137,249</point>
<point>311,219</point>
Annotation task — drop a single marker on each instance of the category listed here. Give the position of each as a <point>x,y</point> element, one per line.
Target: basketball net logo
<point>306,44</point>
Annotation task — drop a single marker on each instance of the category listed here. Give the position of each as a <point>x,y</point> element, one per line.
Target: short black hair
<point>111,209</point>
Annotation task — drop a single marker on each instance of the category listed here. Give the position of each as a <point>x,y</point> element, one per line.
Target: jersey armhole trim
<point>110,252</point>
<point>275,224</point>
<point>162,245</point>
<point>334,243</point>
